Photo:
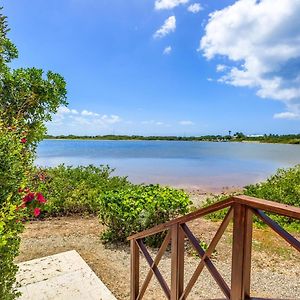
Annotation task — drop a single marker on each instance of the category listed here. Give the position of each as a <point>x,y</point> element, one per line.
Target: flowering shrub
<point>32,203</point>
<point>14,162</point>
<point>71,190</point>
<point>28,98</point>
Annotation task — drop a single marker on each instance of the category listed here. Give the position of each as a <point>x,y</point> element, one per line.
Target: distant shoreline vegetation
<point>237,137</point>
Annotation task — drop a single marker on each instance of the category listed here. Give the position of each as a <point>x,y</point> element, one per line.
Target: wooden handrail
<point>241,211</point>
<point>269,206</point>
<point>184,219</point>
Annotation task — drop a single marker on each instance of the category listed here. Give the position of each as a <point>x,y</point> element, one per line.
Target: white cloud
<point>195,8</point>
<point>153,122</point>
<point>71,121</point>
<point>167,50</point>
<point>64,110</point>
<point>168,4</point>
<point>112,119</point>
<point>221,68</point>
<point>262,38</point>
<point>287,115</point>
<point>167,27</point>
<point>89,113</point>
<point>186,123</point>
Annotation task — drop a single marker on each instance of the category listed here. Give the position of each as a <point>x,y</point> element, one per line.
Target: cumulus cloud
<point>186,123</point>
<point>168,4</point>
<point>262,38</point>
<point>221,68</point>
<point>64,110</point>
<point>71,120</point>
<point>89,113</point>
<point>195,8</point>
<point>168,26</point>
<point>167,50</point>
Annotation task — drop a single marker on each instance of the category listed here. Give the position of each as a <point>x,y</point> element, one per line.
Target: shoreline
<point>172,140</point>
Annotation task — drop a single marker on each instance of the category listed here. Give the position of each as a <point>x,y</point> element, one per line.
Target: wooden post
<point>134,270</point>
<point>241,252</point>
<point>177,261</point>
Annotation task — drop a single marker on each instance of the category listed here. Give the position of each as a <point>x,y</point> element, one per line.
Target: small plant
<point>137,208</point>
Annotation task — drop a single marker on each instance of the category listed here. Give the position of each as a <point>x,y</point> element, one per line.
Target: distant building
<point>255,135</point>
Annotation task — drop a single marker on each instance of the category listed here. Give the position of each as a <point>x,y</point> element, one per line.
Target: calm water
<point>186,164</point>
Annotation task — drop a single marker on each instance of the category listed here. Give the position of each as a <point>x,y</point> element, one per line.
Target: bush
<point>13,165</point>
<point>74,189</point>
<point>282,187</point>
<point>139,207</point>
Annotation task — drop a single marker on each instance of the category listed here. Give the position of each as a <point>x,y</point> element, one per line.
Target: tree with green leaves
<point>28,98</point>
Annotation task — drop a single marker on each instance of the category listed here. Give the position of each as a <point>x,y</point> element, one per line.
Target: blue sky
<point>178,67</point>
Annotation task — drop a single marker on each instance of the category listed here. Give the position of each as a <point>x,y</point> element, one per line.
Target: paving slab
<point>62,276</point>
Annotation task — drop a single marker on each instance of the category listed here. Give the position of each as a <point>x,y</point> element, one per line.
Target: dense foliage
<point>237,137</point>
<point>27,100</point>
<point>123,207</point>
<point>13,167</point>
<point>137,208</point>
<point>283,187</point>
<point>74,189</point>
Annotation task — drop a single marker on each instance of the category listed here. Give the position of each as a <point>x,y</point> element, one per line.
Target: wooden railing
<point>241,210</point>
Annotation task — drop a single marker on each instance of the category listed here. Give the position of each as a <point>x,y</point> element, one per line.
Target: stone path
<point>62,276</point>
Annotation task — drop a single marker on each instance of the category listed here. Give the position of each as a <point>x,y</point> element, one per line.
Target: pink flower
<point>36,212</point>
<point>40,198</point>
<point>29,197</point>
<point>23,140</point>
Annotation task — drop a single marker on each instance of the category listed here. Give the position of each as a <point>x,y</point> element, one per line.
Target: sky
<point>165,67</point>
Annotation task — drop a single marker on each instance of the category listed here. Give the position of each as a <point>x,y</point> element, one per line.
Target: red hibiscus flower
<point>29,197</point>
<point>23,140</point>
<point>40,198</point>
<point>36,212</point>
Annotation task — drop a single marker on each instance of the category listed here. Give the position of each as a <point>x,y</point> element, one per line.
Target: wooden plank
<point>184,219</point>
<point>241,252</point>
<point>154,269</point>
<point>157,259</point>
<point>278,229</point>
<point>247,252</point>
<point>177,261</point>
<point>208,253</point>
<point>210,266</point>
<point>270,206</point>
<point>134,270</point>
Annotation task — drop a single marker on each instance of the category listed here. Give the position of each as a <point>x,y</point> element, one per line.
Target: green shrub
<point>282,187</point>
<point>137,208</point>
<point>13,165</point>
<point>75,189</point>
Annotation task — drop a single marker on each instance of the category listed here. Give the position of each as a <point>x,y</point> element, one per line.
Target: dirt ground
<point>275,265</point>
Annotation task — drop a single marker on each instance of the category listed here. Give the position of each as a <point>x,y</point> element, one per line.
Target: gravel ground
<point>275,265</point>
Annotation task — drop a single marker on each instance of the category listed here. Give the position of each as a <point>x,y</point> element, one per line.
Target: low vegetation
<point>237,137</point>
<point>140,207</point>
<point>283,187</point>
<point>70,190</point>
<point>124,208</point>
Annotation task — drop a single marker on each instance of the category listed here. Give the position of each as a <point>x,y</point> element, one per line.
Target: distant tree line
<point>237,137</point>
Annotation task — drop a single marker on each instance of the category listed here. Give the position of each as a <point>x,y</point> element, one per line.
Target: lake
<point>205,165</point>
